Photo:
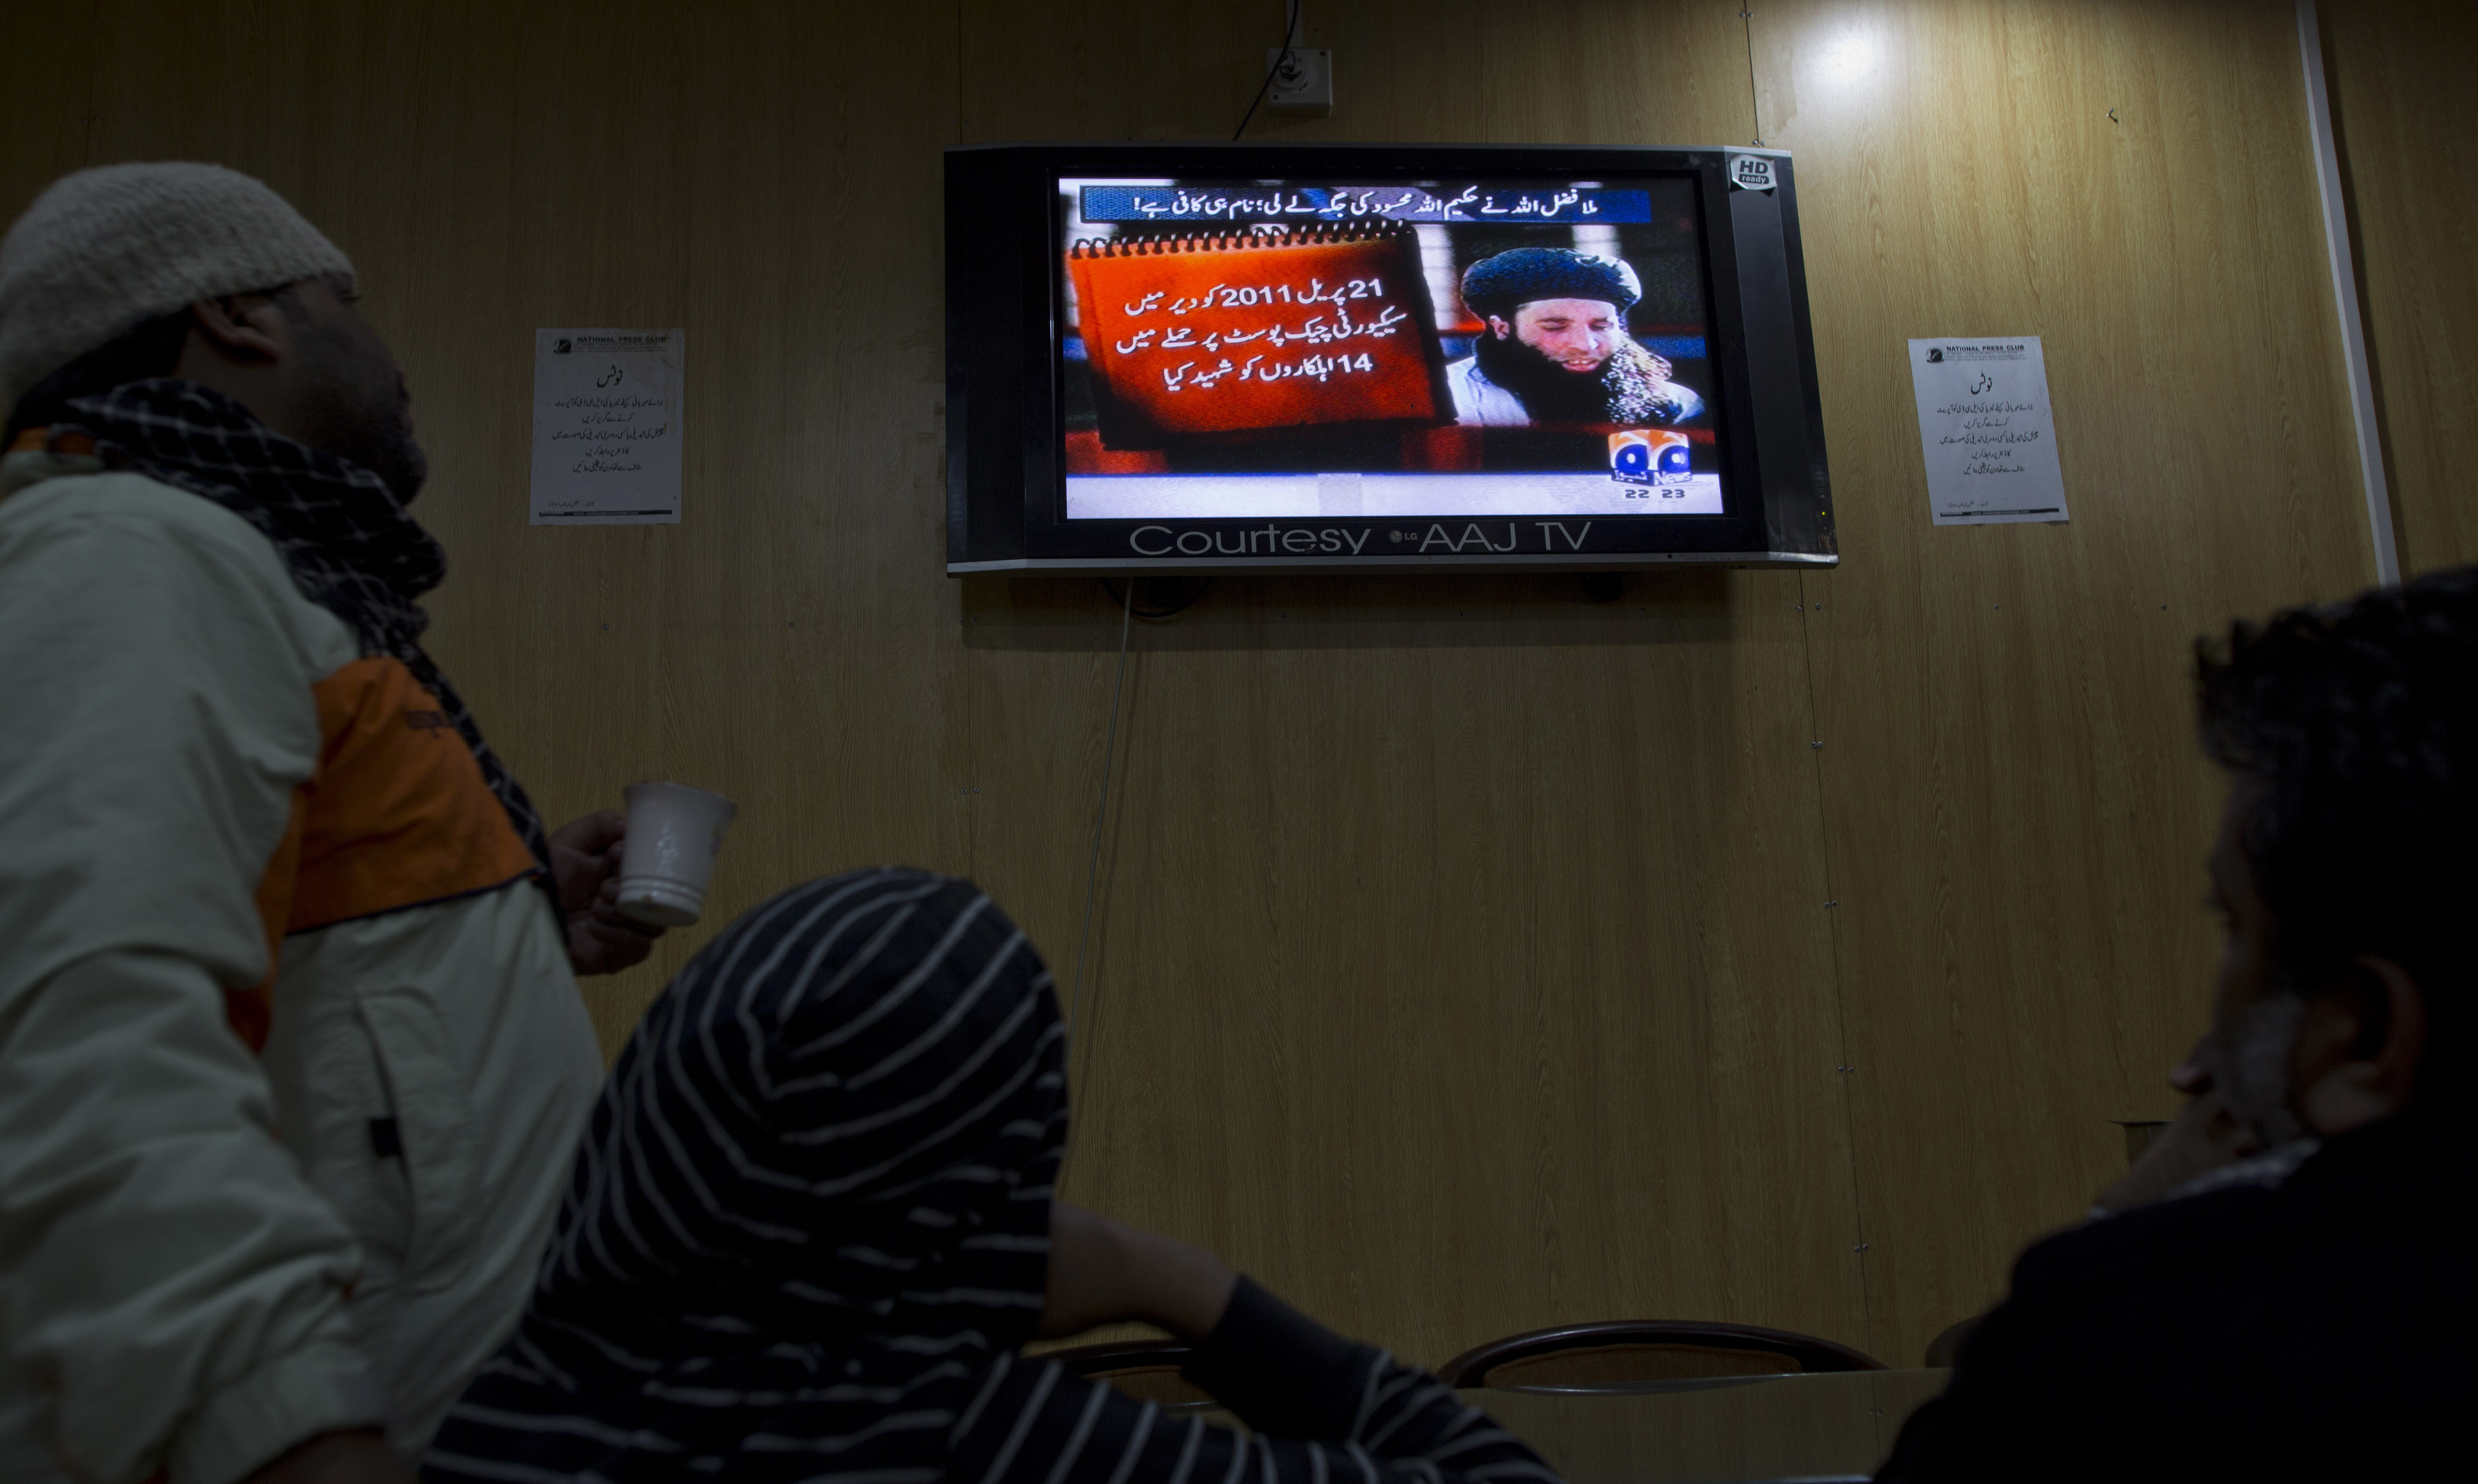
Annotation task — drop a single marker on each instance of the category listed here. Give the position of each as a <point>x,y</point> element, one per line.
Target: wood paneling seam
<point>2344,297</point>
<point>1842,1068</point>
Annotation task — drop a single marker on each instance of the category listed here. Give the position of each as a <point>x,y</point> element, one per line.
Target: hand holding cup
<point>585,871</point>
<point>675,832</point>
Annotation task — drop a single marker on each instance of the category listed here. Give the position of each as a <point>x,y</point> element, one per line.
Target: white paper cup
<point>673,834</point>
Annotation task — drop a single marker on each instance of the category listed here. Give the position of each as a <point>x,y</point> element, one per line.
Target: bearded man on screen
<point>1554,347</point>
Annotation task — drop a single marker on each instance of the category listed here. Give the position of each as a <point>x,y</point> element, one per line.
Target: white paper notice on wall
<point>607,426</point>
<point>1985,425</point>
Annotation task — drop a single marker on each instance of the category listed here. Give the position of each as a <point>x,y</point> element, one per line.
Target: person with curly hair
<point>2280,1288</point>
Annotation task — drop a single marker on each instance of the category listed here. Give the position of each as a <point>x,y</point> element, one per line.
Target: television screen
<point>1362,358</point>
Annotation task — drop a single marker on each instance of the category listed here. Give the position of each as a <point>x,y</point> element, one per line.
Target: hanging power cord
<point>1754,96</point>
<point>1290,39</point>
<point>1100,812</point>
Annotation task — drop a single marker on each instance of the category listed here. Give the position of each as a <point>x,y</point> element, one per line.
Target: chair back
<point>1146,1369</point>
<point>1628,1354</point>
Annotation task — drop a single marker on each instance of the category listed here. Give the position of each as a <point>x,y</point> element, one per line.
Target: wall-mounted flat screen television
<point>1248,358</point>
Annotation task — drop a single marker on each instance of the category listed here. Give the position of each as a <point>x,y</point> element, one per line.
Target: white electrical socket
<point>1302,80</point>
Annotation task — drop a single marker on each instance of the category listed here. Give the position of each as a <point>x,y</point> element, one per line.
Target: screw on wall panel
<point>1815,745</point>
<point>1845,1069</point>
<point>1802,607</point>
<point>1833,903</point>
<point>1861,1248</point>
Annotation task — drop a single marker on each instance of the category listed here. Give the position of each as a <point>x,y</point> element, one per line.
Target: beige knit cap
<point>106,248</point>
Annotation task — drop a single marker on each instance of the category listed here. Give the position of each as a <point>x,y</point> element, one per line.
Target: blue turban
<point>1500,284</point>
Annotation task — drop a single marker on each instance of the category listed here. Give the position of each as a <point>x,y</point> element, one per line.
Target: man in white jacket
<point>292,1060</point>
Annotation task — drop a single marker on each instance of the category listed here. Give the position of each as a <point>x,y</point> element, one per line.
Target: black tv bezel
<point>1006,406</point>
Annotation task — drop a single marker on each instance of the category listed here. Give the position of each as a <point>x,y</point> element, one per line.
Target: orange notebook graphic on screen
<point>1229,334</point>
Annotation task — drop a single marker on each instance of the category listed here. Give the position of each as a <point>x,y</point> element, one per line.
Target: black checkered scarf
<point>351,547</point>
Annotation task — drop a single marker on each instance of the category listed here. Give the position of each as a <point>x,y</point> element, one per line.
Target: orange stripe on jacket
<point>38,440</point>
<point>399,814</point>
<point>396,814</point>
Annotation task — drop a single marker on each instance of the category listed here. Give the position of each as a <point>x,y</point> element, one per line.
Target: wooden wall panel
<point>1462,960</point>
<point>2400,71</point>
<point>2015,814</point>
<point>46,116</point>
<point>1462,964</point>
<point>1461,943</point>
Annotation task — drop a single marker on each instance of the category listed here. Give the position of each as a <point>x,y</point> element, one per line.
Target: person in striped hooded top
<point>812,1224</point>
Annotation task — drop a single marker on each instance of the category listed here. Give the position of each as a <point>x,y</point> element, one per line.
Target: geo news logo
<point>1639,457</point>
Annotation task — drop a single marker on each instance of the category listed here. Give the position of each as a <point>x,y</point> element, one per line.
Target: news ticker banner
<point>1124,203</point>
